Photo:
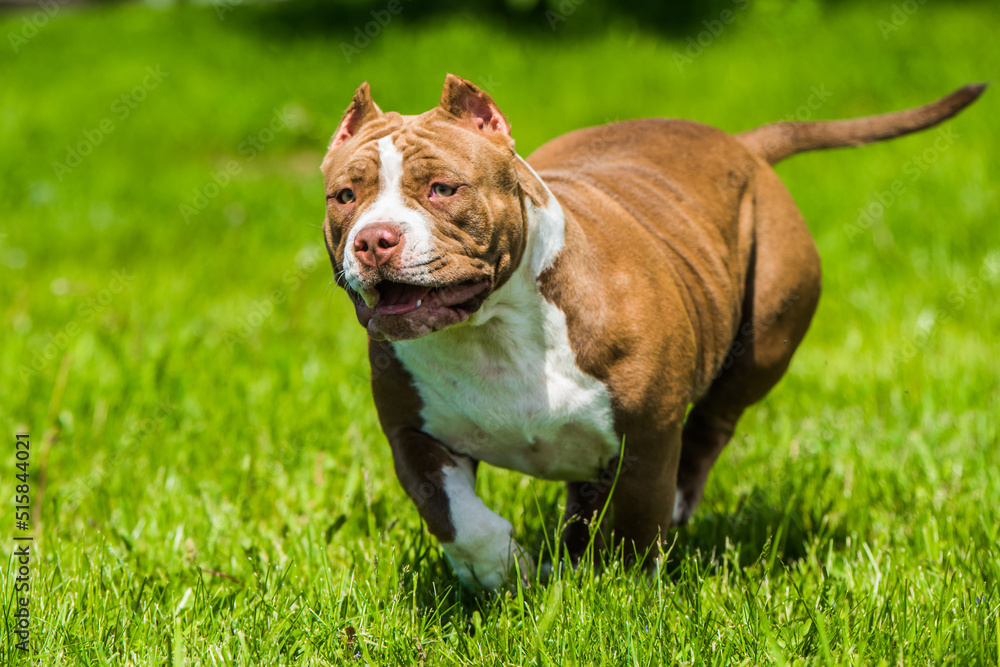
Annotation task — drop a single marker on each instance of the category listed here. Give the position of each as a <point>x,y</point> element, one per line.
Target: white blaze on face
<point>390,206</point>
<point>483,552</point>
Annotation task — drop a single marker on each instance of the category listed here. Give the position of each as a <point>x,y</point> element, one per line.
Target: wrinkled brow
<point>361,168</point>
<point>420,167</point>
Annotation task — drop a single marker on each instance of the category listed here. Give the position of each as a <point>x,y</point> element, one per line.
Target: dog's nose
<point>377,243</point>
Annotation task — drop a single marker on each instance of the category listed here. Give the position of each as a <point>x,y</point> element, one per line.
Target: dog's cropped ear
<point>361,110</point>
<point>468,103</point>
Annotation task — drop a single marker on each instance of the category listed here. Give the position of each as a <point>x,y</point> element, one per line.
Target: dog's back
<point>657,203</point>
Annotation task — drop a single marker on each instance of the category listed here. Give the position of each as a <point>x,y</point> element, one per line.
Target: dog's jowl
<point>558,315</point>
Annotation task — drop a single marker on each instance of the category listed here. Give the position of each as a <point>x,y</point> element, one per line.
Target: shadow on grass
<point>435,589</point>
<point>759,531</point>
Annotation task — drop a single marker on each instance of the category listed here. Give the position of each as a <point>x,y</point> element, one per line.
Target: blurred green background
<point>207,473</point>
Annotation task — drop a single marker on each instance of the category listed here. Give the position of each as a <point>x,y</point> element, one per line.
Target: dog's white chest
<point>505,389</point>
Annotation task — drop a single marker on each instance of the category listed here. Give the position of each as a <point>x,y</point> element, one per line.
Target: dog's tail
<point>776,141</point>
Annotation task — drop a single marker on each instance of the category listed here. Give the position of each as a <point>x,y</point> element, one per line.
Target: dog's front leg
<point>477,541</point>
<point>442,483</point>
<point>644,494</point>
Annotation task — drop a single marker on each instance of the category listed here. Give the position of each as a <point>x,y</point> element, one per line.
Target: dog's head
<point>425,215</point>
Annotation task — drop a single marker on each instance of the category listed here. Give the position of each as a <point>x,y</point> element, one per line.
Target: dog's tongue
<point>397,298</point>
<point>456,294</point>
<point>363,312</point>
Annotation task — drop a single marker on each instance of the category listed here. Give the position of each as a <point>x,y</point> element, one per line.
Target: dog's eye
<point>442,190</point>
<point>345,196</point>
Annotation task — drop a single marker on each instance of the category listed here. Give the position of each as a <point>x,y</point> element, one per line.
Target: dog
<point>558,315</point>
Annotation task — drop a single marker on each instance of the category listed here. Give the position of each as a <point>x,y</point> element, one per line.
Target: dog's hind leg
<point>584,502</point>
<point>782,290</point>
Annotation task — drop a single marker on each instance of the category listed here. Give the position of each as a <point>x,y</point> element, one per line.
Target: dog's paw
<point>483,552</point>
<point>491,561</point>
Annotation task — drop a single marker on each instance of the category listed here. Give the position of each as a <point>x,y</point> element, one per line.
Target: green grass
<point>217,490</point>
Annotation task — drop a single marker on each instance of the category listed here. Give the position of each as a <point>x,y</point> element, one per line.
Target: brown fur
<point>776,141</point>
<point>488,243</point>
<point>418,457</point>
<point>688,276</point>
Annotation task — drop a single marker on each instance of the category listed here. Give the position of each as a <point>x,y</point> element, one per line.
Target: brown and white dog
<point>538,314</point>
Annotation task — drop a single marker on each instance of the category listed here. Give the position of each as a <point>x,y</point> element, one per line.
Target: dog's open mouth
<point>409,311</point>
<point>400,298</point>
